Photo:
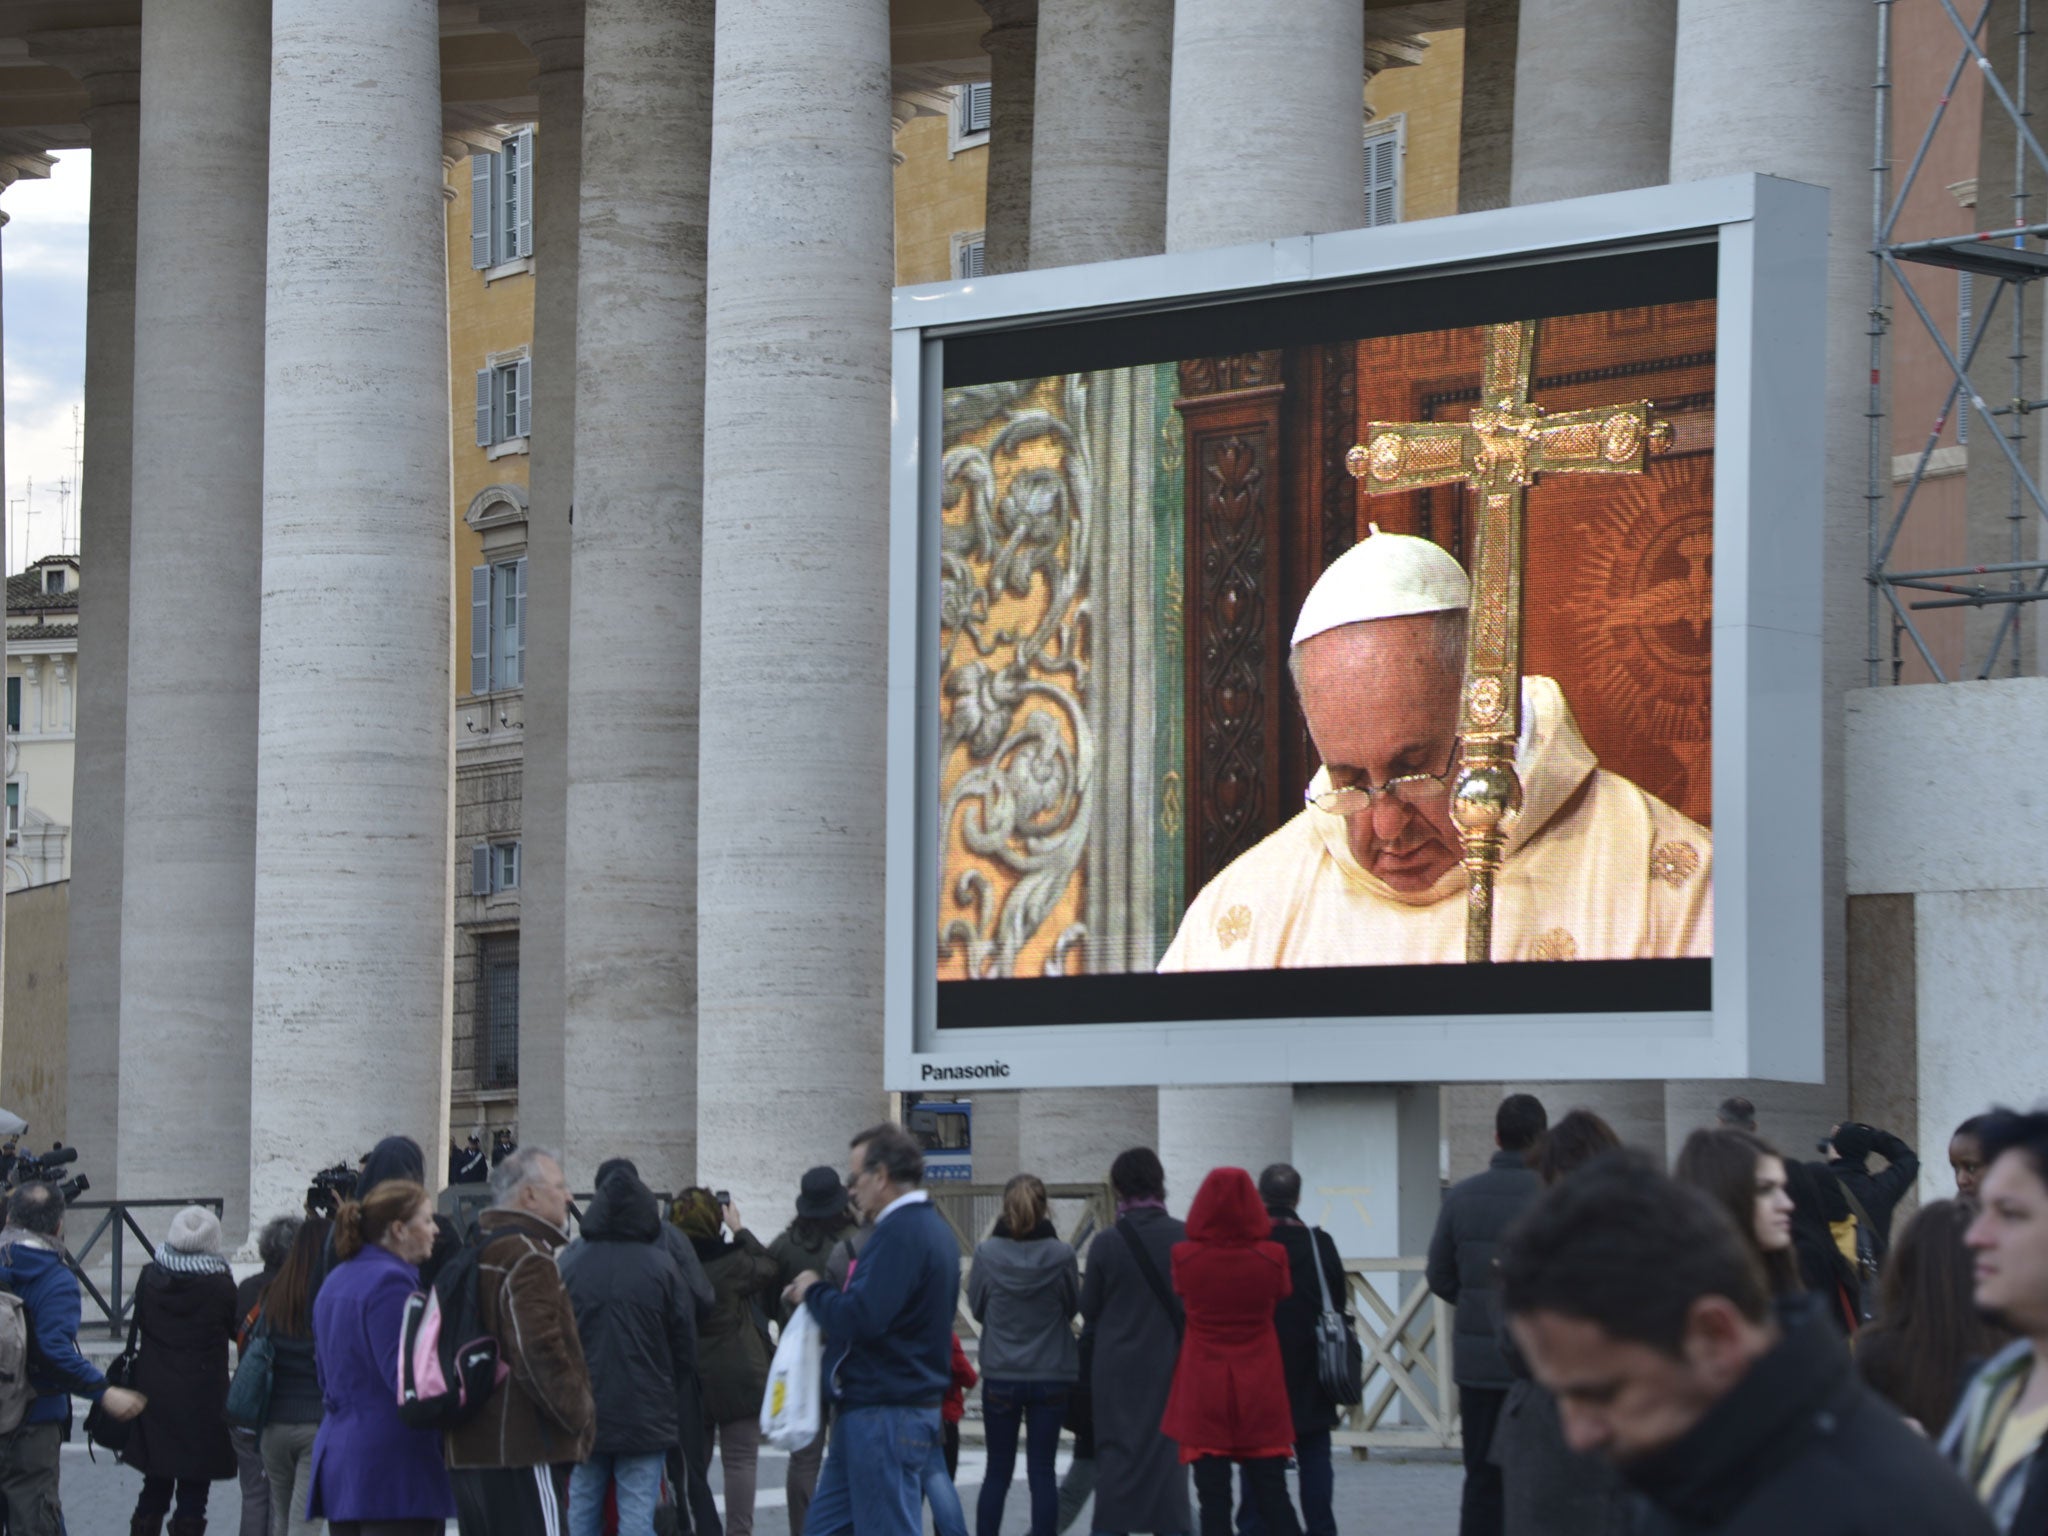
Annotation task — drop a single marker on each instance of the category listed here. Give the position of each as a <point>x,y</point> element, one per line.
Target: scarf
<point>189,1263</point>
<point>1125,1207</point>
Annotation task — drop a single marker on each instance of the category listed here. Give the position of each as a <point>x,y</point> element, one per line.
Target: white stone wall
<point>1945,802</point>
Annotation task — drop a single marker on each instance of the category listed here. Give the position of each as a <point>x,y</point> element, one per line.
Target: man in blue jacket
<point>32,1266</point>
<point>895,1322</point>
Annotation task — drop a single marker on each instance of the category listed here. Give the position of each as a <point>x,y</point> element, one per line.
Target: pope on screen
<point>1368,873</point>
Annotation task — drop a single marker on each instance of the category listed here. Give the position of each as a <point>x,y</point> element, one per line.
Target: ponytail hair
<point>362,1222</point>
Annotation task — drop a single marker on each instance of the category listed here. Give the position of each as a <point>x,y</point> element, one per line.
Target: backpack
<point>16,1335</point>
<point>448,1363</point>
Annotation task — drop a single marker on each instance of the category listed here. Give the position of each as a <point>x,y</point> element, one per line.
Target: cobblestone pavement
<point>1381,1497</point>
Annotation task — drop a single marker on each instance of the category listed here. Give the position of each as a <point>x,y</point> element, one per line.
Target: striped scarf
<point>178,1263</point>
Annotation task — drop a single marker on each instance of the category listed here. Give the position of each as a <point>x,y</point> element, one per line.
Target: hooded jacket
<point>1229,1393</point>
<point>32,1266</point>
<point>1025,1292</point>
<point>542,1412</point>
<point>733,1353</point>
<point>1801,1445</point>
<point>634,1316</point>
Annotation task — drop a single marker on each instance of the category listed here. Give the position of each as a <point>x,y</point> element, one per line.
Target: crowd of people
<point>1741,1344</point>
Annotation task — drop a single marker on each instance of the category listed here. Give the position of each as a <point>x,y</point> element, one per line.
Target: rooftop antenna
<point>63,514</point>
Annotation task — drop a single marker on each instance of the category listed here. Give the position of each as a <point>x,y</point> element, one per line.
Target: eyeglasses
<point>1416,791</point>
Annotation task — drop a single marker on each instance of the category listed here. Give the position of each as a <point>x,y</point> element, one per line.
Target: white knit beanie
<point>195,1229</point>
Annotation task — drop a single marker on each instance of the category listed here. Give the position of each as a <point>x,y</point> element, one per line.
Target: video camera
<point>329,1188</point>
<point>46,1168</point>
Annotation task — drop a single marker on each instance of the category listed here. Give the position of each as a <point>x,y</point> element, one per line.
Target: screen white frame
<point>1766,1018</point>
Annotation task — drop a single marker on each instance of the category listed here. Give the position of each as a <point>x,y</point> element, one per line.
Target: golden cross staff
<point>1500,453</point>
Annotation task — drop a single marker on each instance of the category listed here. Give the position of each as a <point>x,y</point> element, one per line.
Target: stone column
<point>1487,128</point>
<point>1098,167</point>
<point>553,30</point>
<point>1268,121</point>
<point>1267,142</point>
<point>188,882</point>
<point>1012,44</point>
<point>354,904</point>
<point>1785,89</point>
<point>630,929</point>
<point>1098,193</point>
<point>1592,104</point>
<point>105,59</point>
<point>796,434</point>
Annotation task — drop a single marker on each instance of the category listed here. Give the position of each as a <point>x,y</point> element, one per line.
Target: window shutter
<point>480,629</point>
<point>480,870</point>
<point>1382,179</point>
<point>522,412</point>
<point>484,435</point>
<point>980,105</point>
<point>522,192</point>
<point>974,258</point>
<point>516,646</point>
<point>480,208</point>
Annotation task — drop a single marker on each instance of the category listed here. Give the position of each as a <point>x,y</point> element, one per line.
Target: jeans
<point>639,1483</point>
<point>1318,1490</point>
<point>875,1465</point>
<point>288,1463</point>
<point>948,1518</point>
<point>1480,1512</point>
<point>1035,1407</point>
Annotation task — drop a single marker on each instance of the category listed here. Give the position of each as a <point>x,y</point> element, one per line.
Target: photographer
<point>1847,1149</point>
<point>32,1266</point>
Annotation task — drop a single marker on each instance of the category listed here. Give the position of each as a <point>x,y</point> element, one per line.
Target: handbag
<point>1340,1358</point>
<point>248,1405</point>
<point>101,1427</point>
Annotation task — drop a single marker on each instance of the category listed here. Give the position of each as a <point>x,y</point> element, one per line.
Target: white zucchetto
<point>1383,576</point>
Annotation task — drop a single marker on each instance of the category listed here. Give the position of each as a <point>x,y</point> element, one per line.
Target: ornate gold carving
<point>1674,863</point>
<point>1170,803</point>
<point>1233,925</point>
<point>1485,698</point>
<point>1554,945</point>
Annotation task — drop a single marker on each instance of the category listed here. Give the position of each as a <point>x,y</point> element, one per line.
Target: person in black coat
<point>1295,1321</point>
<point>1476,1213</point>
<point>1848,1150</point>
<point>1644,1312</point>
<point>185,1316</point>
<point>636,1319</point>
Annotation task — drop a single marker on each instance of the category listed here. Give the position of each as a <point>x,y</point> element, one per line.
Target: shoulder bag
<point>248,1405</point>
<point>1340,1358</point>
<point>1153,1281</point>
<point>101,1427</point>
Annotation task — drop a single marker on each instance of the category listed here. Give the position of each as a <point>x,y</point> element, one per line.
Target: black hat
<point>821,1194</point>
<point>474,1137</point>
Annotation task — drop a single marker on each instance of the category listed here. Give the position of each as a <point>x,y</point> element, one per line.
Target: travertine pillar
<point>1785,89</point>
<point>106,59</point>
<point>1268,121</point>
<point>1012,44</point>
<point>1268,142</point>
<point>1592,105</point>
<point>1098,193</point>
<point>1487,114</point>
<point>1098,169</point>
<point>553,30</point>
<point>189,872</point>
<point>355,765</point>
<point>796,433</point>
<point>630,1033</point>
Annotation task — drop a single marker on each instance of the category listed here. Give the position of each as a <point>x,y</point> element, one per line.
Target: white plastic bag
<point>790,1408</point>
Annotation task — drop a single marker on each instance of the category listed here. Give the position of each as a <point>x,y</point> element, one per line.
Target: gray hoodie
<point>1025,1295</point>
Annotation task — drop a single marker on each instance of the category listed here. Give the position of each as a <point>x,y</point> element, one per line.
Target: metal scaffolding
<point>2004,257</point>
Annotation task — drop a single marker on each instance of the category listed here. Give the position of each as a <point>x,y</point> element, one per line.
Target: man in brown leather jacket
<point>509,1463</point>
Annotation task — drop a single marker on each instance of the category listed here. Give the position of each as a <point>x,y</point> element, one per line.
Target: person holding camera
<point>32,1266</point>
<point>733,1349</point>
<point>1847,1148</point>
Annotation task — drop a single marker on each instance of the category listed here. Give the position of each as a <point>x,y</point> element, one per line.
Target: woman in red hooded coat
<point>1229,1401</point>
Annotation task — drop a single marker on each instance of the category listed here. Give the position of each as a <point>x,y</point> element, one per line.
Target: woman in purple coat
<point>372,1475</point>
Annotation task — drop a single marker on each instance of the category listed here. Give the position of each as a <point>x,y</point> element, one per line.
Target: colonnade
<point>263,891</point>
